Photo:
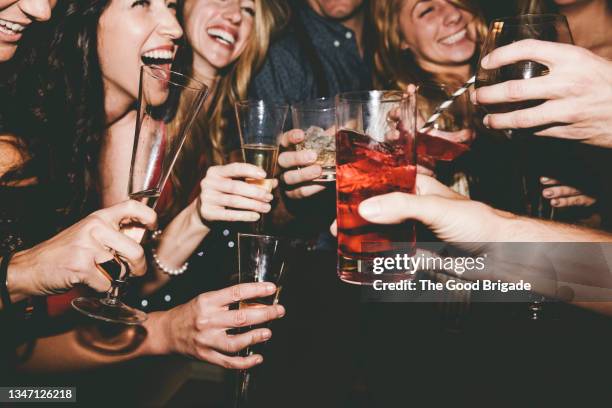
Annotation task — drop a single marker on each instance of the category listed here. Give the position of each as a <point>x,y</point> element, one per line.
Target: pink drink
<point>366,168</point>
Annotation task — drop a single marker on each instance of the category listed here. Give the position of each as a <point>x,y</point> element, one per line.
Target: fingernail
<point>270,287</point>
<point>266,335</point>
<point>544,179</point>
<point>485,62</point>
<point>266,208</point>
<point>473,98</point>
<point>486,121</point>
<point>269,197</point>
<point>280,310</point>
<point>259,360</point>
<point>369,209</point>
<point>554,202</point>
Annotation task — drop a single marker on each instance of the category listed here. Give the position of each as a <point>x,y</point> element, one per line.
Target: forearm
<point>75,355</point>
<point>176,244</point>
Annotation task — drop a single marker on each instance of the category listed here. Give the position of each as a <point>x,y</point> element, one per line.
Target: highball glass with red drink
<point>375,154</point>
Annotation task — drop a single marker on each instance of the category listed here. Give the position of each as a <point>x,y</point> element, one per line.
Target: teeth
<point>159,54</point>
<point>454,38</point>
<point>222,35</point>
<point>14,27</point>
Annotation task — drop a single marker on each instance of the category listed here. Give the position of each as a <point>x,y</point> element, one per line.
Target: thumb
<point>395,208</point>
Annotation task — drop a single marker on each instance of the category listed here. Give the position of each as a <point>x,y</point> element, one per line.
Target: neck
<point>587,21</point>
<point>203,71</point>
<point>461,72</point>
<point>354,22</point>
<point>116,106</point>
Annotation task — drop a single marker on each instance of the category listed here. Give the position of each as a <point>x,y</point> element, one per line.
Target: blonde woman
<point>226,41</point>
<point>439,41</point>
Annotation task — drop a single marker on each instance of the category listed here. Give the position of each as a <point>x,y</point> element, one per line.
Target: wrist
<point>158,334</point>
<point>196,218</point>
<point>19,281</point>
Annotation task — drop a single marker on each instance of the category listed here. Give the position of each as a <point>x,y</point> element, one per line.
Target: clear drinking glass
<point>504,31</point>
<point>375,154</point>
<point>261,258</point>
<point>433,145</point>
<point>317,118</point>
<point>168,103</point>
<point>261,125</point>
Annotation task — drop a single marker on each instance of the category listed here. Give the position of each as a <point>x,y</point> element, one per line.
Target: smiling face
<point>15,17</point>
<point>218,31</point>
<point>132,33</point>
<point>438,33</point>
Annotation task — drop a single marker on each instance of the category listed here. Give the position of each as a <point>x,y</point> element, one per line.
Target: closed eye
<point>425,12</point>
<point>140,3</point>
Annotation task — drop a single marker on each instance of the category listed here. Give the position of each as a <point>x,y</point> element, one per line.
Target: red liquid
<point>365,169</point>
<point>438,148</point>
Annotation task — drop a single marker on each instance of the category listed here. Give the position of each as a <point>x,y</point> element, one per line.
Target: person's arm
<point>197,329</point>
<point>223,197</point>
<point>69,258</point>
<point>558,259</point>
<point>577,92</point>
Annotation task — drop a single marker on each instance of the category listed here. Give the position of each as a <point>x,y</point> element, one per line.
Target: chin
<point>6,53</point>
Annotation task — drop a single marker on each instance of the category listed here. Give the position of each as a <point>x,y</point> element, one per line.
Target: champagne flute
<point>261,258</point>
<point>168,103</point>
<point>504,31</point>
<point>260,126</point>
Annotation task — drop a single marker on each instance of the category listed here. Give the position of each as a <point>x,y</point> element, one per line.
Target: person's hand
<point>70,258</point>
<point>299,168</point>
<point>564,196</point>
<point>199,328</point>
<point>223,198</point>
<point>451,216</point>
<point>425,186</point>
<point>578,95</point>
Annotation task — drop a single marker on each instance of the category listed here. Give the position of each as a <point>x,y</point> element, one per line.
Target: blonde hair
<point>396,68</point>
<point>205,145</point>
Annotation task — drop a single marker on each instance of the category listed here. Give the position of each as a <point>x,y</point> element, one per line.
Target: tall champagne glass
<point>260,125</point>
<point>168,103</point>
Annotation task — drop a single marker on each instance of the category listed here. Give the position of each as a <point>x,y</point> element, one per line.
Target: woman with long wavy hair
<point>88,83</point>
<point>439,41</point>
<point>225,42</point>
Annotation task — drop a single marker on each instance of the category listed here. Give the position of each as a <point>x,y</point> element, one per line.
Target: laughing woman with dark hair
<point>87,82</point>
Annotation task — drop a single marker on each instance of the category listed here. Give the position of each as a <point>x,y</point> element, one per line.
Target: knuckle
<point>515,90</point>
<point>236,293</point>
<point>240,318</point>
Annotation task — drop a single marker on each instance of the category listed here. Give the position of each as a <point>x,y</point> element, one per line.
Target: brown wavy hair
<point>396,68</point>
<point>205,146</point>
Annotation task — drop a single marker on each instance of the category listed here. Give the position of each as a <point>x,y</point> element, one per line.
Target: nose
<point>232,12</point>
<point>452,14</point>
<point>169,26</point>
<point>38,10</point>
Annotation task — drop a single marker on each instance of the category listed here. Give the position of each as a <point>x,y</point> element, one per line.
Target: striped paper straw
<point>444,105</point>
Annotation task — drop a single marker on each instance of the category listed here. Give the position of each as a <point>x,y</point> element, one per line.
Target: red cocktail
<point>380,162</point>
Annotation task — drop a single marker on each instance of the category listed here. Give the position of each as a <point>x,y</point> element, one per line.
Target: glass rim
<point>518,20</point>
<point>255,102</point>
<point>384,96</point>
<point>304,105</point>
<point>191,80</point>
<point>251,235</point>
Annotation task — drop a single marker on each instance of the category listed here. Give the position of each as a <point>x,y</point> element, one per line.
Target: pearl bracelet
<point>163,267</point>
